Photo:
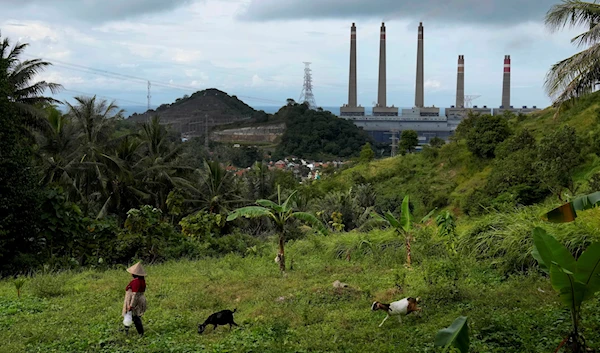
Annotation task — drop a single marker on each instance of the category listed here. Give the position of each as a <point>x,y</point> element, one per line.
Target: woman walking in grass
<point>135,301</point>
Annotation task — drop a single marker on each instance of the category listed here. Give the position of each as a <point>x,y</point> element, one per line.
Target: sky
<point>255,49</point>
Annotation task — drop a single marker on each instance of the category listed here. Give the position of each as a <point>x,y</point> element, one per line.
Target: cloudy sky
<point>256,48</point>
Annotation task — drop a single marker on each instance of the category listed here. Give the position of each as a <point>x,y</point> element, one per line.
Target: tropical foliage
<point>281,213</point>
<point>577,75</point>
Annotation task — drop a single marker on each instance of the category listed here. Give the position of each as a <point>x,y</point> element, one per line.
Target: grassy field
<point>298,312</point>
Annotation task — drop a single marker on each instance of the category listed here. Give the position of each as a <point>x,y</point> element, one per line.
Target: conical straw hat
<point>137,269</point>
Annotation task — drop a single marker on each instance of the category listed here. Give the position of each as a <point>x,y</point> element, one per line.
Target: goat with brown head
<point>398,308</point>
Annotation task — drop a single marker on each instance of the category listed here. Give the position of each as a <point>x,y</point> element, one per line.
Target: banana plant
<point>280,213</point>
<point>403,226</point>
<point>455,335</point>
<point>575,280</point>
<point>447,228</point>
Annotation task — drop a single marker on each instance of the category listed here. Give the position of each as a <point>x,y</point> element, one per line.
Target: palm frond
<point>572,13</point>
<point>575,76</point>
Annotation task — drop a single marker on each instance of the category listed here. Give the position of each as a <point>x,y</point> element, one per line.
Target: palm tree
<point>19,74</point>
<point>260,182</point>
<point>160,162</point>
<point>95,120</point>
<point>216,189</point>
<point>281,213</point>
<point>578,74</point>
<point>58,148</point>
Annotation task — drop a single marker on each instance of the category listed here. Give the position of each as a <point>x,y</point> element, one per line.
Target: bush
<point>49,285</point>
<point>442,277</point>
<point>204,230</point>
<point>149,238</point>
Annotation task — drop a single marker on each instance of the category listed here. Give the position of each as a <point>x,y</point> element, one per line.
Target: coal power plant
<point>387,122</point>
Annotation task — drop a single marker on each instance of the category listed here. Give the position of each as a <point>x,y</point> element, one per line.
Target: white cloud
<point>433,84</point>
<point>186,56</point>
<point>204,45</point>
<point>257,81</point>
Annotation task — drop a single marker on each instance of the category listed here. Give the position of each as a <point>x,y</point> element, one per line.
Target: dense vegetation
<point>459,225</point>
<point>317,134</point>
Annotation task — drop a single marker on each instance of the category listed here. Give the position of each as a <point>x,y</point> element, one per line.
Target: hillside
<point>188,115</point>
<point>452,176</point>
<point>299,312</point>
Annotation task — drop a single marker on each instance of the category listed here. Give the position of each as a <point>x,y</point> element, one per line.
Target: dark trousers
<point>137,321</point>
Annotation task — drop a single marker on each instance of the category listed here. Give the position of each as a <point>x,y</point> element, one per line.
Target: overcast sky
<point>255,48</point>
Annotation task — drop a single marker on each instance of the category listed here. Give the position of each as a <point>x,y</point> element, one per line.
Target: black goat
<point>222,317</point>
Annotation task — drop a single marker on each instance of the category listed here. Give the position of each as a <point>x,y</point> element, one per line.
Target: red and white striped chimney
<point>506,84</point>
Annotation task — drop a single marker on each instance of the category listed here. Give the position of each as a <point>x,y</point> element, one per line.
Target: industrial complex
<point>386,123</point>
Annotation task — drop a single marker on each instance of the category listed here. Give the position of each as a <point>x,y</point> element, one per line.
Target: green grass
<point>301,312</point>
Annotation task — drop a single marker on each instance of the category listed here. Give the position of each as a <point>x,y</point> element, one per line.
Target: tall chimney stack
<point>419,92</point>
<point>381,93</point>
<point>506,84</point>
<point>460,83</point>
<point>352,101</point>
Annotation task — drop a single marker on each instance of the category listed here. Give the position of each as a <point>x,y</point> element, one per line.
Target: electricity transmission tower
<point>469,99</point>
<point>307,93</point>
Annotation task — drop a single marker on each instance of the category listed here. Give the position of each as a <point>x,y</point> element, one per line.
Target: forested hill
<point>493,163</point>
<point>318,134</point>
<point>188,114</point>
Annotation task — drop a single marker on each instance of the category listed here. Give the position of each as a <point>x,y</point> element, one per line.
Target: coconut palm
<point>216,189</point>
<point>19,74</point>
<point>58,148</point>
<point>159,164</point>
<point>95,121</point>
<point>280,213</point>
<point>578,74</point>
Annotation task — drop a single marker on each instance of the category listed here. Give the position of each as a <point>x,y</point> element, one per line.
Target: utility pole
<point>149,96</point>
<point>206,131</point>
<point>307,93</point>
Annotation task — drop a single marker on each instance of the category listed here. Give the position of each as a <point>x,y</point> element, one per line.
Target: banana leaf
<point>456,335</point>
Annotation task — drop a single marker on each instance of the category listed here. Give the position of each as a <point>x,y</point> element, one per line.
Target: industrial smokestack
<point>381,93</point>
<point>506,84</point>
<point>419,92</point>
<point>352,101</point>
<point>460,83</point>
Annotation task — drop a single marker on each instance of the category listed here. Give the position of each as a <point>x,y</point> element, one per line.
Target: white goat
<point>398,308</point>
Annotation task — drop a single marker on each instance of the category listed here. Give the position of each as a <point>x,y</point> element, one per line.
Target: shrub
<point>49,285</point>
<point>149,238</point>
<point>442,277</point>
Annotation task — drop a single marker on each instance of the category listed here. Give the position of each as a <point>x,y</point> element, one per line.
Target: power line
<point>106,73</point>
<point>102,96</point>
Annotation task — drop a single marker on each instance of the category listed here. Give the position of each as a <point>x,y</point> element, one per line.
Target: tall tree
<point>577,75</point>
<point>409,140</point>
<point>58,148</point>
<point>95,121</point>
<point>25,94</point>
<point>19,195</point>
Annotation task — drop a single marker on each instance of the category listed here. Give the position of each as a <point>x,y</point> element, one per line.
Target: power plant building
<point>386,124</point>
